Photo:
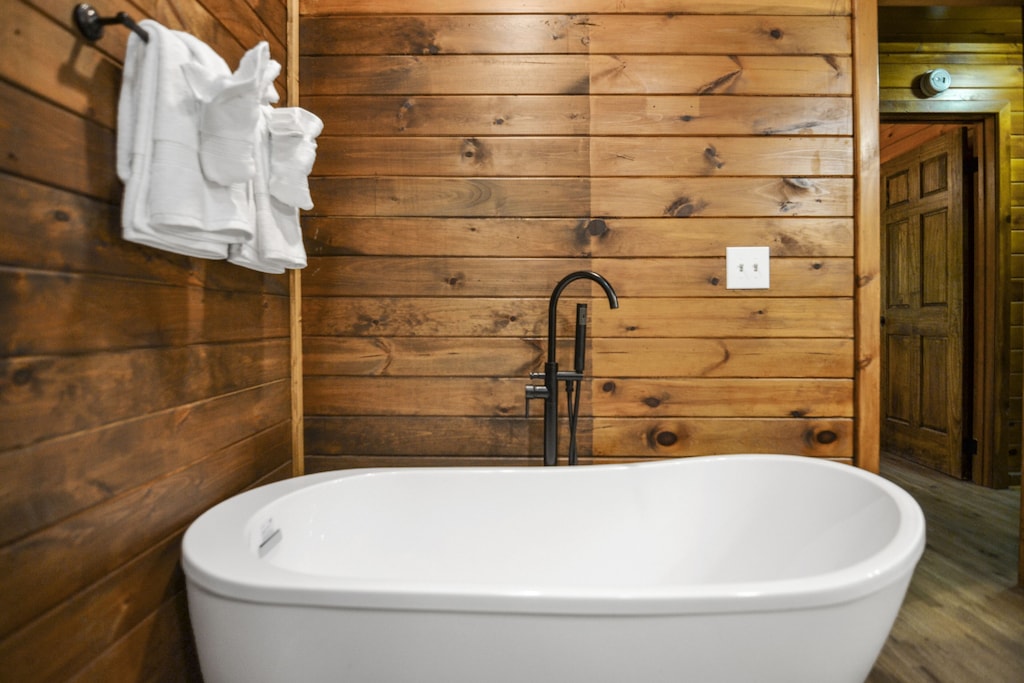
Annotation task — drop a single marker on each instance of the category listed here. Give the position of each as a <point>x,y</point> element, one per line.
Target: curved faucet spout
<point>613,302</point>
<point>549,391</point>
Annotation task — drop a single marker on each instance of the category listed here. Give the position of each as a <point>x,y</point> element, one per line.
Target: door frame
<point>991,284</point>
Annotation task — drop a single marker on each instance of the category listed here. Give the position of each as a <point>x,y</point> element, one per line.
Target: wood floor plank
<point>963,617</point>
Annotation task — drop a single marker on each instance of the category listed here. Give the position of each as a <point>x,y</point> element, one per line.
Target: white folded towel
<point>277,244</point>
<point>136,107</point>
<point>195,153</point>
<point>229,109</point>
<point>169,203</point>
<point>293,132</point>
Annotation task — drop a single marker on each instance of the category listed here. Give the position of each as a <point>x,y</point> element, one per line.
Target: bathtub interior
<point>714,521</point>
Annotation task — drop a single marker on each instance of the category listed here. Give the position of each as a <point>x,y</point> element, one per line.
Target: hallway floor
<point>963,618</point>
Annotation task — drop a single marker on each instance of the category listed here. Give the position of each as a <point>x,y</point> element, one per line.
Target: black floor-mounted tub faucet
<point>549,390</point>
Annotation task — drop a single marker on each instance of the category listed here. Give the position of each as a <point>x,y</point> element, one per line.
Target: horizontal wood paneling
<point>82,235</point>
<point>571,34</point>
<point>725,197</point>
<point>53,564</point>
<point>34,385</point>
<point>488,277</point>
<point>72,560</point>
<point>472,156</point>
<point>90,467</point>
<point>547,197</point>
<point>146,315</point>
<point>422,356</point>
<point>721,156</point>
<point>465,115</point>
<point>421,437</point>
<point>559,237</point>
<point>137,387</point>
<point>48,144</point>
<point>571,156</point>
<point>709,115</point>
<point>957,25</point>
<point>496,397</point>
<point>661,438</point>
<point>724,397</point>
<point>788,7</point>
<point>643,318</point>
<point>576,75</point>
<point>432,441</point>
<point>683,318</point>
<point>723,357</point>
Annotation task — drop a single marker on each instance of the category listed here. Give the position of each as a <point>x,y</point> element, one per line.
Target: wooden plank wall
<point>138,388</point>
<point>981,47</point>
<point>470,160</point>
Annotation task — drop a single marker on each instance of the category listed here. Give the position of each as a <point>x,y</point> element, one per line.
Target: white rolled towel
<point>229,109</point>
<point>293,133</point>
<point>276,244</point>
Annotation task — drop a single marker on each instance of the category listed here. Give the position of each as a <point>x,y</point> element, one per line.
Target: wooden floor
<point>963,618</point>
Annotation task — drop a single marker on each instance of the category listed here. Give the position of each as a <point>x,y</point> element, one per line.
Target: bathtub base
<point>243,641</point>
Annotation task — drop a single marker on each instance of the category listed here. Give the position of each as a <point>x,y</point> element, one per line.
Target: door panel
<point>898,391</point>
<point>923,250</point>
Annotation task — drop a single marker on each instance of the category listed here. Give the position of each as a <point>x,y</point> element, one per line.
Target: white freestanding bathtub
<point>736,568</point>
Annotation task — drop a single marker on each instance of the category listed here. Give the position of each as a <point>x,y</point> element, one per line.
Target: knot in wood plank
<point>685,207</point>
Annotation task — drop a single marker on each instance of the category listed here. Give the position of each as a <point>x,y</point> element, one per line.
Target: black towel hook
<point>91,24</point>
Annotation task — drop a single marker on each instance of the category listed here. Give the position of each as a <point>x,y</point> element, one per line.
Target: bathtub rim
<point>272,585</point>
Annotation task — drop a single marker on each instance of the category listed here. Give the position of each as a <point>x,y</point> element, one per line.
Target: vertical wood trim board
<point>867,245</point>
<point>295,277</point>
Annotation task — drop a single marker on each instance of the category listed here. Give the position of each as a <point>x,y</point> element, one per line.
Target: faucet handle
<point>534,391</point>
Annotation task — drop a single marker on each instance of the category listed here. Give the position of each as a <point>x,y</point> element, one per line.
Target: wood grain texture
<point>572,156</point>
<point>962,619</point>
<point>568,34</point>
<point>867,302</point>
<point>487,277</point>
<point>137,387</point>
<point>793,7</point>
<point>644,318</point>
<point>574,237</point>
<point>474,155</point>
<point>709,115</point>
<point>671,437</point>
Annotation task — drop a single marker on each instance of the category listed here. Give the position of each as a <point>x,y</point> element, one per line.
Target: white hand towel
<point>181,199</point>
<point>277,244</point>
<point>293,132</point>
<point>168,202</point>
<point>228,113</point>
<point>136,113</point>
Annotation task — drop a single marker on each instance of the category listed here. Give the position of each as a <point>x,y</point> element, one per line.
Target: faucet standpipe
<point>549,390</point>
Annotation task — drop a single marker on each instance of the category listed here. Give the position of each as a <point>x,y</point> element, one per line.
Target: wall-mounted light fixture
<point>935,81</point>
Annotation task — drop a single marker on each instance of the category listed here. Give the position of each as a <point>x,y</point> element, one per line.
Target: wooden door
<point>923,303</point>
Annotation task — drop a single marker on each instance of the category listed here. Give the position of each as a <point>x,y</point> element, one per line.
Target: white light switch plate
<point>746,267</point>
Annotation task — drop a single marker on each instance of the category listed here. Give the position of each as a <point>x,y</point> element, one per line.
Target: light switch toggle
<point>746,267</point>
